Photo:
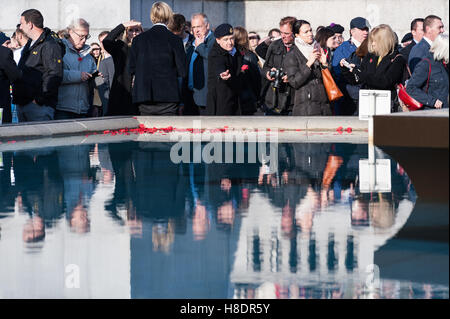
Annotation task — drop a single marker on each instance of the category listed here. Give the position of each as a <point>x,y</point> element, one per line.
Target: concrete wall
<point>263,15</point>
<point>101,14</point>
<point>256,15</point>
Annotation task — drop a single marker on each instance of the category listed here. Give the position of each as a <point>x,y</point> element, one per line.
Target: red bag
<point>403,96</point>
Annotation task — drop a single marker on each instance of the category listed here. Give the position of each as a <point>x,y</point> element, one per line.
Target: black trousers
<point>158,108</point>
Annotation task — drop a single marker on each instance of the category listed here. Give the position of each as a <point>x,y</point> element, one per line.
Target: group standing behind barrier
<point>173,69</point>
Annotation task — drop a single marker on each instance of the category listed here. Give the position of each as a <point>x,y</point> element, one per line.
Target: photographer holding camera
<point>277,95</point>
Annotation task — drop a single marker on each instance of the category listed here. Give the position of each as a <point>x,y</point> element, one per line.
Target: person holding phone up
<point>79,70</point>
<point>303,66</point>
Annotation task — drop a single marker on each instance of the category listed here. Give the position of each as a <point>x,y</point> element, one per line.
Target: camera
<point>278,76</point>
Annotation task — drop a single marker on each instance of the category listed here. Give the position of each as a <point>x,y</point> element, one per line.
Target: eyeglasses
<point>96,49</point>
<point>82,37</point>
<point>134,30</point>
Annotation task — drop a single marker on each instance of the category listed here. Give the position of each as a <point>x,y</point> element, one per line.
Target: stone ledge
<point>424,129</point>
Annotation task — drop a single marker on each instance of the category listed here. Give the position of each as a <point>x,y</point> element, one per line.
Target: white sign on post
<point>374,102</point>
<point>375,177</point>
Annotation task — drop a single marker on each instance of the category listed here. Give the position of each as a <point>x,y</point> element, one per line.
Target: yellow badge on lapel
<point>35,52</point>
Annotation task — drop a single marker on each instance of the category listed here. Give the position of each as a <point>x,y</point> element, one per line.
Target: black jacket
<point>274,59</point>
<point>407,50</point>
<point>9,73</point>
<point>310,95</point>
<point>120,101</point>
<point>223,95</point>
<point>385,76</point>
<point>251,84</point>
<point>157,59</point>
<point>42,68</point>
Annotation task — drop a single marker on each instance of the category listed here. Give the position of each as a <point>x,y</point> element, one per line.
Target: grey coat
<point>310,95</point>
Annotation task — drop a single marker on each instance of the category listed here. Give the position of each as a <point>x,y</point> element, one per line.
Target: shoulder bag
<point>411,103</point>
<point>332,89</point>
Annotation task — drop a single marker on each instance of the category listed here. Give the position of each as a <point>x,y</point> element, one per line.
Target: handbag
<point>411,103</point>
<point>332,89</point>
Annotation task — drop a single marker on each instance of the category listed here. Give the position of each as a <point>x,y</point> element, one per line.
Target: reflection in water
<point>139,226</point>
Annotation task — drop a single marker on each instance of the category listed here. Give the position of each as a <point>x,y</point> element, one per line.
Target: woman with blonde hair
<point>383,67</point>
<point>157,61</point>
<point>118,43</point>
<point>429,83</point>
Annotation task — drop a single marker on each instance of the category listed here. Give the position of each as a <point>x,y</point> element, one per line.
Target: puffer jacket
<point>73,95</point>
<point>310,95</point>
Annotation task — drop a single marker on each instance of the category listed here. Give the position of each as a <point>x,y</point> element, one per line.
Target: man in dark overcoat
<point>224,70</point>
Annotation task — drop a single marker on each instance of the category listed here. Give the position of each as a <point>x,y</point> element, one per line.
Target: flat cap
<point>360,23</point>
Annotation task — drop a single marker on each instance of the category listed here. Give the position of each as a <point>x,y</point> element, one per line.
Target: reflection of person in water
<point>74,165</point>
<point>79,221</point>
<point>382,211</point>
<point>40,191</point>
<point>122,167</point>
<point>359,210</point>
<point>33,230</point>
<point>222,193</point>
<point>7,189</point>
<point>304,213</point>
<point>163,235</point>
<point>160,189</point>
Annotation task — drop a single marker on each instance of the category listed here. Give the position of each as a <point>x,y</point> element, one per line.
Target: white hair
<point>78,24</point>
<point>439,48</point>
<point>200,15</point>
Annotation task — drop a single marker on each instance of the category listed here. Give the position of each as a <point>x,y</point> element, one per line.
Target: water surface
<point>122,220</point>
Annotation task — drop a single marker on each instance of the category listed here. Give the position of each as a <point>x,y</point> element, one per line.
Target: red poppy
<point>80,59</point>
<point>244,68</point>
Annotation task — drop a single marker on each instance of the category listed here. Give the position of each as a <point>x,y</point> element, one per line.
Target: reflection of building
<point>332,252</point>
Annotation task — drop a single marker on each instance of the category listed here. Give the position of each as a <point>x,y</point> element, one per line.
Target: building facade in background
<point>254,15</point>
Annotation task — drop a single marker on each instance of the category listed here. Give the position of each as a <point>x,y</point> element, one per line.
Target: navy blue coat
<point>438,85</point>
<point>418,52</point>
<point>200,91</point>
<point>157,59</point>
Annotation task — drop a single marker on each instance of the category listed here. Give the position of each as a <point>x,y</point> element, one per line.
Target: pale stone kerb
<point>335,123</point>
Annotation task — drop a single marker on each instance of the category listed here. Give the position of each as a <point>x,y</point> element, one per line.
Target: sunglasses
<point>134,30</point>
<point>253,38</point>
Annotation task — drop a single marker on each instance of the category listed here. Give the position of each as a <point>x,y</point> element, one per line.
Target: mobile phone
<point>95,74</point>
<point>346,64</point>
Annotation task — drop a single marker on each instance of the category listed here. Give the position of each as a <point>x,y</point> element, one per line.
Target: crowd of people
<point>180,67</point>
